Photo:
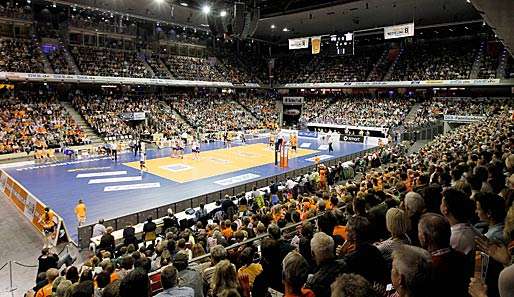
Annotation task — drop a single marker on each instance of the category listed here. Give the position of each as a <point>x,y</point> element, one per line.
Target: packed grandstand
<point>427,212</point>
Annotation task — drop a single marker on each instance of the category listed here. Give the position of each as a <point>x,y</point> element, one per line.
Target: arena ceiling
<point>315,17</point>
<point>499,15</point>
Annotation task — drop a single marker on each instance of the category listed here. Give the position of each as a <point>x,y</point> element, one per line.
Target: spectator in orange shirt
<point>46,291</point>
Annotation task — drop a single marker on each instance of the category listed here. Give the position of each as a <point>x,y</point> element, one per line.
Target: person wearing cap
<point>80,212</point>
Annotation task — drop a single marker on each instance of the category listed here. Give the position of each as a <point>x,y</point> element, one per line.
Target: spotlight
<point>206,9</point>
<point>184,4</point>
<point>273,26</point>
<point>223,13</point>
<point>54,5</point>
<point>159,1</point>
<point>285,30</point>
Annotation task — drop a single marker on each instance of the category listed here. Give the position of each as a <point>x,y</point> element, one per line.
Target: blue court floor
<point>111,189</point>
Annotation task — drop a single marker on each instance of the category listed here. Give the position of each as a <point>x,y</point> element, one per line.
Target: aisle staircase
<point>413,112</point>
<point>147,66</point>
<point>390,71</point>
<point>69,59</point>
<point>46,63</point>
<point>417,146</point>
<point>90,133</point>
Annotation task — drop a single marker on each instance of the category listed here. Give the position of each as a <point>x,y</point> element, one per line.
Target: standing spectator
<point>169,282</point>
<point>99,228</point>
<point>491,209</point>
<point>457,208</point>
<point>414,207</point>
<point>129,235</point>
<point>149,231</point>
<point>80,212</point>
<point>46,261</point>
<point>451,268</point>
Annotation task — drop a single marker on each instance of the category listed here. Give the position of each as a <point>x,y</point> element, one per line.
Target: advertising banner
<point>292,100</point>
<point>298,43</point>
<point>309,134</point>
<point>399,31</point>
<point>463,118</point>
<point>352,138</point>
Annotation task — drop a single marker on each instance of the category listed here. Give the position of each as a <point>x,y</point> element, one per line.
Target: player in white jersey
<point>142,163</point>
<point>195,148</point>
<point>173,148</point>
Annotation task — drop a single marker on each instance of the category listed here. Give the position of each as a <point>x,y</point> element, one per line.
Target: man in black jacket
<point>169,221</point>
<point>107,241</point>
<point>129,235</point>
<point>46,261</point>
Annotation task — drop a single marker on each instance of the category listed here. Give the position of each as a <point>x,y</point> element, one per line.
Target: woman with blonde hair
<point>397,223</point>
<point>225,278</point>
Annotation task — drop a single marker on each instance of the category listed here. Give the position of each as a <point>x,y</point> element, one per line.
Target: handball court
<point>112,189</point>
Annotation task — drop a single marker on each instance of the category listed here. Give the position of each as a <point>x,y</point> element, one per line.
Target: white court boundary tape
<point>114,179</point>
<point>132,187</point>
<point>98,174</point>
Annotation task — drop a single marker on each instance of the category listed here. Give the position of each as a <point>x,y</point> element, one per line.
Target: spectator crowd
<point>412,220</point>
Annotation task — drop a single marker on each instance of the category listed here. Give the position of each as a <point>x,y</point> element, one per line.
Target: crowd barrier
<point>85,232</point>
<point>30,206</point>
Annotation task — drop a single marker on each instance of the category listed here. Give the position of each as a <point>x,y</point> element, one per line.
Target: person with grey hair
<point>414,206</point>
<point>295,271</point>
<point>451,268</point>
<point>411,274</point>
<point>352,285</point>
<point>169,282</point>
<point>218,253</point>
<point>327,266</point>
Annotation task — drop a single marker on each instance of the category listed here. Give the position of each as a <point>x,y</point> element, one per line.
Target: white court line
<point>114,179</point>
<point>132,187</point>
<point>17,164</point>
<point>95,174</point>
<point>305,145</point>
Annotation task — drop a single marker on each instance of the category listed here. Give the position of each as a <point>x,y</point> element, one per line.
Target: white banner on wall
<point>298,43</point>
<point>399,31</point>
<point>463,118</point>
<point>292,100</point>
